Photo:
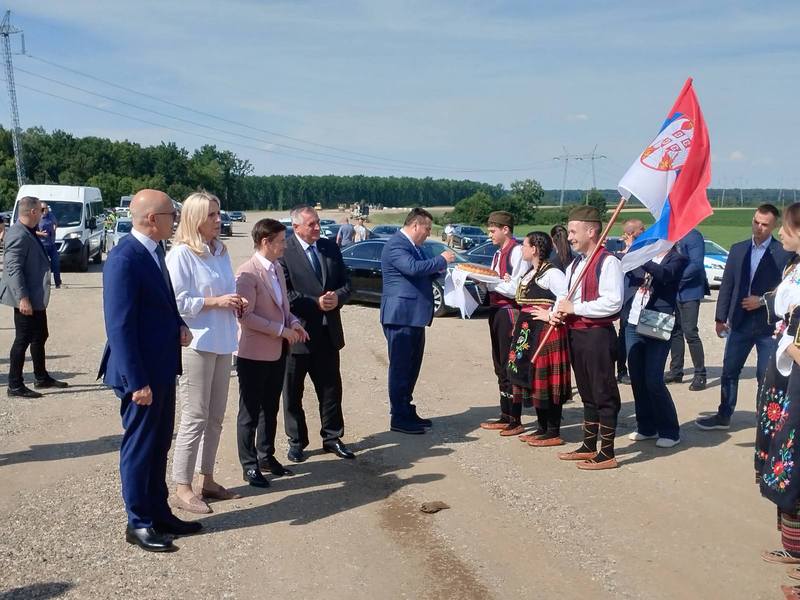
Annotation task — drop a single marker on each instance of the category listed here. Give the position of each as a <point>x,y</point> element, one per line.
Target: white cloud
<point>737,155</point>
<point>578,117</point>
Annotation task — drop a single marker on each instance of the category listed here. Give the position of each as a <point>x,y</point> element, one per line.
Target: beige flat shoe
<point>220,494</point>
<point>195,505</point>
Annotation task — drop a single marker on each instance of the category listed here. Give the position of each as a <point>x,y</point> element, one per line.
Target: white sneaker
<point>667,443</point>
<point>638,437</point>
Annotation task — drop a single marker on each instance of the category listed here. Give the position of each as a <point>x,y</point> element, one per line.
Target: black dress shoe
<point>23,392</point>
<point>417,419</point>
<point>255,478</point>
<point>296,455</point>
<point>148,538</point>
<point>698,383</point>
<point>176,526</point>
<point>339,449</point>
<point>273,466</point>
<point>49,383</point>
<point>673,378</point>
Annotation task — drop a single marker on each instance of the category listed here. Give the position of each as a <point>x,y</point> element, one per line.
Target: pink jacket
<point>264,319</point>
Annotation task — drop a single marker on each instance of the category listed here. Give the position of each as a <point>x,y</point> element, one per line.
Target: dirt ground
<point>681,523</point>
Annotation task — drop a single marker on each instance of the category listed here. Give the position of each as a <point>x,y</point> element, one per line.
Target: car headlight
<point>75,235</point>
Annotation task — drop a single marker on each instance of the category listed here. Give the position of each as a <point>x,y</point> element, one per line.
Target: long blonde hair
<point>193,214</point>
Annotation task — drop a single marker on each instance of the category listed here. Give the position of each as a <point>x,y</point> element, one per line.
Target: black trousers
<point>686,327</point>
<point>322,365</point>
<point>593,352</point>
<point>30,331</point>
<point>260,383</point>
<point>622,351</point>
<point>501,328</point>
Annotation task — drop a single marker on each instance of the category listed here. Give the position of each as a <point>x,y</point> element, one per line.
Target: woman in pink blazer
<point>267,330</point>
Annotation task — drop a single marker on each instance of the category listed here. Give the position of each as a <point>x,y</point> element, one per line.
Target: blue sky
<point>447,89</point>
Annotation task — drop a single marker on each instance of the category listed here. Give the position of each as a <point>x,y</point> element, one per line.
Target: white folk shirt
<point>518,268</point>
<point>195,278</point>
<point>786,295</point>
<point>609,301</point>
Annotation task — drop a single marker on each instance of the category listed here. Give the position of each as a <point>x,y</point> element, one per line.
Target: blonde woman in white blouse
<point>205,290</point>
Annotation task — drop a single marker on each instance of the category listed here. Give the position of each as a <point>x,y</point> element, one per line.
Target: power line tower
<point>566,157</point>
<point>6,31</point>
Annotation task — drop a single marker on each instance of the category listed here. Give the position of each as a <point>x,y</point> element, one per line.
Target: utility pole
<point>566,157</point>
<point>6,31</point>
<point>594,156</point>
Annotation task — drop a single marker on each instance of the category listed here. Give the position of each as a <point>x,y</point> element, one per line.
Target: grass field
<point>725,226</point>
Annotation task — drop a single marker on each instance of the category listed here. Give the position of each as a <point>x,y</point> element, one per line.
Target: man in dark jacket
<point>691,290</point>
<point>754,267</point>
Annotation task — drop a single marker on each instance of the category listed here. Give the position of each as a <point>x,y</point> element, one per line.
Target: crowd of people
<point>187,316</point>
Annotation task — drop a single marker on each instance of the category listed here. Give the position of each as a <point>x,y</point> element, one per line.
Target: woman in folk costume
<point>778,409</point>
<point>546,382</point>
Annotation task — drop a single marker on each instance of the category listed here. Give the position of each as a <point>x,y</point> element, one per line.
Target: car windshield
<point>472,231</point>
<point>714,248</point>
<point>224,217</point>
<point>67,214</point>
<point>432,248</point>
<point>124,226</point>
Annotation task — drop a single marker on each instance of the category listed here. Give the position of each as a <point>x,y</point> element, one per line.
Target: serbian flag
<point>670,178</point>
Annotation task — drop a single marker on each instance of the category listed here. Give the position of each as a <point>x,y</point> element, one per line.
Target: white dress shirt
<point>518,268</point>
<point>195,278</point>
<point>149,243</point>
<point>609,302</point>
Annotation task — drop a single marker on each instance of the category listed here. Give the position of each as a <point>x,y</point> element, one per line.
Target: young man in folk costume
<point>503,311</point>
<point>547,381</point>
<point>589,317</point>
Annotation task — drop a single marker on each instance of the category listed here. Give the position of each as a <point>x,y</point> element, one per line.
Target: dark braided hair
<point>543,244</point>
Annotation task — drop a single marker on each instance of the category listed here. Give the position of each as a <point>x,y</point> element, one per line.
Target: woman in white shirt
<point>205,290</point>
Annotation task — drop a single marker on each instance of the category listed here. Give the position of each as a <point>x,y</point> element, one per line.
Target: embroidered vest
<point>590,290</point>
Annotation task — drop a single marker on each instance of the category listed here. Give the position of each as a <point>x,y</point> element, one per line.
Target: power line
<point>276,134</point>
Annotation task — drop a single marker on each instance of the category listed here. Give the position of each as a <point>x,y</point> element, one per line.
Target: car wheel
<point>83,266</point>
<point>439,307</point>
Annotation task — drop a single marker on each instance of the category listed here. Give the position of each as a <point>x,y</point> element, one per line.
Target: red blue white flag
<point>670,178</point>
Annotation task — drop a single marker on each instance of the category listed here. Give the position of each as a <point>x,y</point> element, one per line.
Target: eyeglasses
<point>173,214</point>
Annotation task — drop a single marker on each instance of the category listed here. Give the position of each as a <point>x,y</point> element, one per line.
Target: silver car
<point>121,228</point>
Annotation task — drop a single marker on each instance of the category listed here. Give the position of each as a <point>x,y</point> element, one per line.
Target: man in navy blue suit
<point>140,363</point>
<point>754,267</point>
<point>406,309</point>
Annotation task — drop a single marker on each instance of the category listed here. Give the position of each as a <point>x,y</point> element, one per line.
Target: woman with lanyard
<point>776,457</point>
<point>656,288</point>
<point>546,383</point>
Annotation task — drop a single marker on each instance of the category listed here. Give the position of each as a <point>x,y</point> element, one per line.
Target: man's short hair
<point>266,228</point>
<point>298,211</point>
<point>27,203</point>
<point>768,208</point>
<point>417,214</point>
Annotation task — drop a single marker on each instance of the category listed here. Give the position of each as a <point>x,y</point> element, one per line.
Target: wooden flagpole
<point>577,282</point>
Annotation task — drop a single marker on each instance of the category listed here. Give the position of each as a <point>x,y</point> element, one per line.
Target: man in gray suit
<point>25,286</point>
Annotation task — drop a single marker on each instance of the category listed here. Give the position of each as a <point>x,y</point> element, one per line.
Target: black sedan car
<point>481,254</point>
<point>237,215</point>
<point>384,231</point>
<point>466,236</point>
<point>226,228</point>
<point>363,262</point>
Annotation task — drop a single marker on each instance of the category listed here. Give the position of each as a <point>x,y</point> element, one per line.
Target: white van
<point>80,234</point>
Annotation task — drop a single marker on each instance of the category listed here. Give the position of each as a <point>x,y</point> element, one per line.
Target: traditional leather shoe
<point>193,505</point>
<point>272,465</point>
<point>529,437</point>
<point>176,526</point>
<point>590,465</point>
<point>255,478</point>
<point>50,383</point>
<point>23,392</point>
<point>148,538</point>
<point>499,424</point>
<point>296,455</point>
<point>512,429</point>
<point>546,442</point>
<point>406,426</point>
<point>577,455</point>
<point>339,449</point>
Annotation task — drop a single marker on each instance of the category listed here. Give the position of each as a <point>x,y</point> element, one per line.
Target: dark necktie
<point>163,264</point>
<point>315,262</point>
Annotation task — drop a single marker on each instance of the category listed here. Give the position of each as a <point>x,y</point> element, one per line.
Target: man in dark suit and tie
<point>25,286</point>
<point>754,267</point>
<point>317,285</point>
<point>140,363</point>
<point>406,309</point>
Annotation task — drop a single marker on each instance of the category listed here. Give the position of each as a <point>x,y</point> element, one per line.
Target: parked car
<point>121,228</point>
<point>481,254</point>
<point>237,215</point>
<point>363,261</point>
<point>324,222</point>
<point>466,236</point>
<point>226,228</point>
<point>383,231</point>
<point>329,231</point>
<point>714,263</point>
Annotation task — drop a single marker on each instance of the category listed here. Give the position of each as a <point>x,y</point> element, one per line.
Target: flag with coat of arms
<point>670,178</point>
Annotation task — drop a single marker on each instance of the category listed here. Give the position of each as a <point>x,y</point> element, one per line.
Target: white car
<point>714,263</point>
<point>121,228</point>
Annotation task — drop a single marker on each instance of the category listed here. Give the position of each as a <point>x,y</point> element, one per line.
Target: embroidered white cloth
<point>456,296</point>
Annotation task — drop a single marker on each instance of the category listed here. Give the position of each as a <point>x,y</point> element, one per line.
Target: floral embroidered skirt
<point>549,379</point>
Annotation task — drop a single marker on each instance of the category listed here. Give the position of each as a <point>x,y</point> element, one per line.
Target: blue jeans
<point>655,410</point>
<point>55,263</point>
<point>737,348</point>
